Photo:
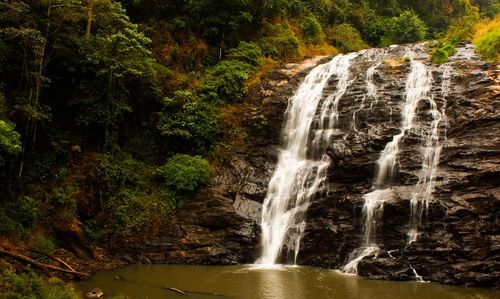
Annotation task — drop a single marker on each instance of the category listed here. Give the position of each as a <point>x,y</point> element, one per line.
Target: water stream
<point>418,85</point>
<point>432,146</point>
<point>298,175</point>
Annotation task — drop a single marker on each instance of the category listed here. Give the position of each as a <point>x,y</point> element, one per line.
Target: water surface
<point>200,282</point>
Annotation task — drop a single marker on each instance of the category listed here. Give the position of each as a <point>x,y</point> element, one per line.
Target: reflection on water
<point>256,282</point>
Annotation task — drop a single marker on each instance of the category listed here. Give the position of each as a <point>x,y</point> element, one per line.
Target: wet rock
<point>459,237</point>
<point>95,293</point>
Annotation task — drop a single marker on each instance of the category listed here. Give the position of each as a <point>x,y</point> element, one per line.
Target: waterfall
<point>418,85</point>
<point>430,158</point>
<point>297,176</point>
<point>371,93</point>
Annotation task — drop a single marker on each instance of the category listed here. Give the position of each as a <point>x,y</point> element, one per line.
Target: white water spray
<point>297,177</point>
<point>417,87</point>
<point>430,158</point>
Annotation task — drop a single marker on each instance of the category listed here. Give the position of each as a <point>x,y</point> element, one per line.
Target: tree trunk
<point>90,7</point>
<point>32,262</point>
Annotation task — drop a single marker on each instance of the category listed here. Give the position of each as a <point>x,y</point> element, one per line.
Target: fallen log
<point>54,258</point>
<point>26,259</point>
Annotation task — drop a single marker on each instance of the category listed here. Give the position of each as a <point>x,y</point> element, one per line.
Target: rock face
<point>459,236</point>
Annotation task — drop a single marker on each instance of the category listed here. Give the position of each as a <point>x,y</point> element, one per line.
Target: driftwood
<point>177,291</point>
<point>26,259</point>
<point>54,258</point>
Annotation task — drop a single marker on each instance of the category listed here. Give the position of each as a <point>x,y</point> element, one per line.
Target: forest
<point>113,113</point>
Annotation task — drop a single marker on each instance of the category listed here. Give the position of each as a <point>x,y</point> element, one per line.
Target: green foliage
<point>441,53</point>
<point>311,30</point>
<point>488,45</point>
<point>224,83</point>
<point>31,286</point>
<point>462,26</point>
<point>345,37</point>
<point>281,47</point>
<point>114,57</point>
<point>10,227</point>
<point>93,231</point>
<point>185,173</point>
<point>117,171</point>
<point>187,121</point>
<point>220,19</point>
<point>246,52</point>
<point>43,244</point>
<point>10,143</point>
<point>406,28</point>
<point>27,211</point>
<point>135,212</point>
<point>131,204</point>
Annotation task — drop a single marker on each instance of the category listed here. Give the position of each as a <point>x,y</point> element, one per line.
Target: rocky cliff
<point>459,235</point>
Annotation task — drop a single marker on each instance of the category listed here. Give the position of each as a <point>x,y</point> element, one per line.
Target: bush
<point>43,244</point>
<point>184,173</point>
<point>311,30</point>
<point>134,213</point>
<point>250,53</point>
<point>188,122</point>
<point>9,141</point>
<point>345,37</point>
<point>441,53</point>
<point>488,45</point>
<point>279,42</point>
<point>9,227</point>
<point>406,28</point>
<point>225,82</point>
<point>31,286</point>
<point>281,47</point>
<point>111,173</point>
<point>26,211</point>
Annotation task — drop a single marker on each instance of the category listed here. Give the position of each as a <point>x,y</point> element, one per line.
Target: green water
<point>201,282</point>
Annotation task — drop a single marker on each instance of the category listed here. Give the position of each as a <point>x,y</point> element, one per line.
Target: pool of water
<point>200,282</point>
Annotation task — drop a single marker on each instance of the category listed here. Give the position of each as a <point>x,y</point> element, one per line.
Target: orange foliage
<point>486,26</point>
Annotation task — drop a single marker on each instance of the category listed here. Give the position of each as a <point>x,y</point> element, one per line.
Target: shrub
<point>225,82</point>
<point>279,42</point>
<point>31,286</point>
<point>311,30</point>
<point>134,213</point>
<point>26,211</point>
<point>441,53</point>
<point>185,173</point>
<point>250,53</point>
<point>9,141</point>
<point>188,122</point>
<point>113,172</point>
<point>345,37</point>
<point>43,244</point>
<point>488,45</point>
<point>281,47</point>
<point>9,227</point>
<point>406,28</point>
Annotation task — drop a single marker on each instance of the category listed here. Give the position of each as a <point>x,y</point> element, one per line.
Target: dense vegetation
<point>110,111</point>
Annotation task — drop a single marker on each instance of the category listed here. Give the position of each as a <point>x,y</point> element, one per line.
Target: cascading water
<point>298,177</point>
<point>430,161</point>
<point>371,93</point>
<point>418,85</point>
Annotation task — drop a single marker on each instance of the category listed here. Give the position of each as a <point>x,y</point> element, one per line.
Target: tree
<point>406,28</point>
